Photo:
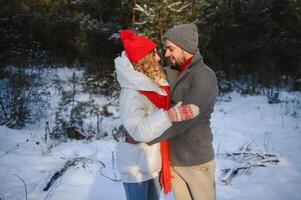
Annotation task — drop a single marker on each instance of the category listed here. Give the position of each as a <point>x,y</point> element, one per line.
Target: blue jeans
<point>147,190</point>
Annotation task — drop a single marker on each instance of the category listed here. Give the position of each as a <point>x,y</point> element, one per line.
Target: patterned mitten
<point>181,112</point>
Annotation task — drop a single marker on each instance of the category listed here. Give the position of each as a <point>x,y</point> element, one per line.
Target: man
<point>190,142</point>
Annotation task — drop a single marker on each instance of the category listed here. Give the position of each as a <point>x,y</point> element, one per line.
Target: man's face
<point>174,54</point>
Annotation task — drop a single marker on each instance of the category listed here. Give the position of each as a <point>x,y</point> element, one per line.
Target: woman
<point>145,114</point>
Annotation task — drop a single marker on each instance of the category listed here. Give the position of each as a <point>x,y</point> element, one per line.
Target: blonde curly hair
<point>148,66</point>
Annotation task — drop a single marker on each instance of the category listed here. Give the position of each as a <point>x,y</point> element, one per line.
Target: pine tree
<point>154,18</point>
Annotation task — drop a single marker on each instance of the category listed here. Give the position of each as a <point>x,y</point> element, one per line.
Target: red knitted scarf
<point>161,101</point>
<point>185,65</point>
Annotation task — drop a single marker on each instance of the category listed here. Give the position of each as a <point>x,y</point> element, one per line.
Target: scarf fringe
<point>165,177</point>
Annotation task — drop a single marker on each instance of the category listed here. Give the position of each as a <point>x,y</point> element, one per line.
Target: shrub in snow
<point>70,112</point>
<point>273,96</point>
<point>297,85</point>
<point>79,110</point>
<point>23,97</point>
<point>224,85</point>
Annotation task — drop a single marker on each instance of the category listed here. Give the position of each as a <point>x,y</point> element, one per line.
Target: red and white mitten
<point>181,112</point>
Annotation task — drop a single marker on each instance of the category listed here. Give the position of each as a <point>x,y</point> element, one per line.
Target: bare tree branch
<point>71,163</point>
<point>24,185</point>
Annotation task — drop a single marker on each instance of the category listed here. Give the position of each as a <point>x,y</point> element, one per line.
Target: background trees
<point>260,40</point>
<point>257,39</point>
<point>250,44</point>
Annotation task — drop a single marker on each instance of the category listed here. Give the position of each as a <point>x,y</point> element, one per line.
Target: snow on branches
<point>246,159</point>
<point>173,6</point>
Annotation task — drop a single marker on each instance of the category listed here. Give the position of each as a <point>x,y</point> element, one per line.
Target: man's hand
<point>181,112</point>
<point>129,139</point>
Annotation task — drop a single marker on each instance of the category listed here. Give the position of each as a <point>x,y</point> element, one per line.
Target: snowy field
<point>238,121</point>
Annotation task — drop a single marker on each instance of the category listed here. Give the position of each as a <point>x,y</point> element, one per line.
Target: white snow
<point>251,120</point>
<point>272,128</point>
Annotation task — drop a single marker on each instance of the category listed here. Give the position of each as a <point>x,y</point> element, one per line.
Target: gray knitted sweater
<point>191,141</point>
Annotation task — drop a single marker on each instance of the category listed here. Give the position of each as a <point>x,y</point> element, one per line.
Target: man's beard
<point>175,66</point>
<point>178,64</point>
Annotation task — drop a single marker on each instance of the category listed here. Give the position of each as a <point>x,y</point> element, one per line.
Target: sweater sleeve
<point>139,124</point>
<point>202,92</point>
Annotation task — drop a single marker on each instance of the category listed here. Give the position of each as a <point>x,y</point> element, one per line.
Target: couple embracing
<point>166,114</point>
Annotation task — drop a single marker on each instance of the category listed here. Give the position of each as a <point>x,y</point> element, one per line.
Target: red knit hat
<point>136,47</point>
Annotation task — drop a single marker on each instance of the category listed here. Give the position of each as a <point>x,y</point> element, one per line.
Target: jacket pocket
<point>150,159</point>
<point>206,168</point>
<point>203,169</point>
<point>128,154</point>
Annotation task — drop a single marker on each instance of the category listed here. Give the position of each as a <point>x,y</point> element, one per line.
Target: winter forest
<point>59,114</point>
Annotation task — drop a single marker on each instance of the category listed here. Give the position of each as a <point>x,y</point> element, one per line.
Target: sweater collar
<point>174,78</point>
<point>197,57</point>
<point>185,64</point>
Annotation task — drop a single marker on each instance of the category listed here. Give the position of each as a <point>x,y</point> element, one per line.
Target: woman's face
<point>156,56</point>
<point>150,66</point>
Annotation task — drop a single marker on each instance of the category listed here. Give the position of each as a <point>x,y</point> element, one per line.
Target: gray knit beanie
<point>185,36</point>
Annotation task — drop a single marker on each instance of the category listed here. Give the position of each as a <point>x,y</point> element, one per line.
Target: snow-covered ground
<point>269,128</point>
<point>237,121</point>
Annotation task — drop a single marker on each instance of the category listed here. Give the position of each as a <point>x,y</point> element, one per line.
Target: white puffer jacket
<point>143,121</point>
